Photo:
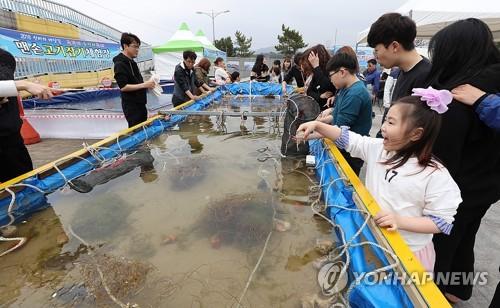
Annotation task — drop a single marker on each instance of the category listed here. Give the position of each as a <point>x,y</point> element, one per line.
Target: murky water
<point>184,231</point>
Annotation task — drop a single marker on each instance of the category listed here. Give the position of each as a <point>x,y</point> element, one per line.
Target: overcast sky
<point>154,21</point>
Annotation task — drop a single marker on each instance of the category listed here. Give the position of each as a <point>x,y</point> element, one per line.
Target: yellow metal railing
<point>424,293</point>
<point>84,152</point>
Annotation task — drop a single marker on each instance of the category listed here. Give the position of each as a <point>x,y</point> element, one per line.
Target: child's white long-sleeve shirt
<point>408,190</point>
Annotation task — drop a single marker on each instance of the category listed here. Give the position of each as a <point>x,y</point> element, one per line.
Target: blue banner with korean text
<point>213,54</point>
<point>33,45</point>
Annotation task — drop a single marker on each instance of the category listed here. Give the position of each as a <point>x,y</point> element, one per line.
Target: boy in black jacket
<point>129,79</point>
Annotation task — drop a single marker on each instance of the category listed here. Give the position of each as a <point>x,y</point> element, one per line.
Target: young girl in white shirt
<point>416,193</point>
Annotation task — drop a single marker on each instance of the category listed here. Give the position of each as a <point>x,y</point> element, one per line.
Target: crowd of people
<point>434,167</point>
<point>435,170</point>
<point>192,80</point>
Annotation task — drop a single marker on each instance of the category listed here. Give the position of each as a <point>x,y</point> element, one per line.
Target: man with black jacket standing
<point>129,80</point>
<point>184,85</point>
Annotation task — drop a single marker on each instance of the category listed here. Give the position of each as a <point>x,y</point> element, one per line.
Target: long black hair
<point>323,55</point>
<point>417,114</point>
<point>257,67</point>
<point>460,51</point>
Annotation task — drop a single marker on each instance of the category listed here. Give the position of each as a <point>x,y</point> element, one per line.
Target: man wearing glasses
<point>129,80</point>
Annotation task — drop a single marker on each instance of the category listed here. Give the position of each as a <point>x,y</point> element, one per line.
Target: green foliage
<point>290,41</point>
<point>243,45</point>
<point>225,44</point>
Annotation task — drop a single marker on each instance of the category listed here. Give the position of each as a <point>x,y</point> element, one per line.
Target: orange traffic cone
<point>29,134</point>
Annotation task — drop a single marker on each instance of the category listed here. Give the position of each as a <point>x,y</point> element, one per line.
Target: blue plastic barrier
<point>367,293</point>
<point>82,97</point>
<point>256,88</point>
<point>25,204</point>
<point>72,97</point>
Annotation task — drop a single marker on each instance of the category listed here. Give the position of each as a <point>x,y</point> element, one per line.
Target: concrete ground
<point>487,250</point>
<point>51,149</point>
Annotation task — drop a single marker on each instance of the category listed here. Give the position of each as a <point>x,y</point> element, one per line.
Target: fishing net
<point>300,109</point>
<point>123,277</point>
<point>240,220</point>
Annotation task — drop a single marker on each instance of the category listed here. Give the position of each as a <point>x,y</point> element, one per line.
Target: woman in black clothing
<point>295,72</point>
<point>464,52</point>
<point>320,87</point>
<point>287,66</point>
<point>264,74</point>
<point>257,68</point>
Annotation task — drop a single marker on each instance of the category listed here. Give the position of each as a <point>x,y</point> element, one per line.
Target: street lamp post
<point>212,15</point>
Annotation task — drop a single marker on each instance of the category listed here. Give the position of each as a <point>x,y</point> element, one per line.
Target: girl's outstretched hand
<point>305,130</point>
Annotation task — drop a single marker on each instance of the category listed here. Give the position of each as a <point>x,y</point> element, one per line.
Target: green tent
<point>168,55</point>
<point>182,40</point>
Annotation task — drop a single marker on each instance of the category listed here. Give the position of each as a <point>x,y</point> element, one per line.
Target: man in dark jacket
<point>129,79</point>
<point>184,79</point>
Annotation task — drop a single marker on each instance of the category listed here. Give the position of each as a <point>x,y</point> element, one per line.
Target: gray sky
<point>154,21</point>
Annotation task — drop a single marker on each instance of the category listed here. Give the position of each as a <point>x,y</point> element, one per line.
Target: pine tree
<point>290,41</point>
<point>243,44</point>
<point>225,44</point>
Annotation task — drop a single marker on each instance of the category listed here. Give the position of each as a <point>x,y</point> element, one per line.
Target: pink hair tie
<point>437,100</point>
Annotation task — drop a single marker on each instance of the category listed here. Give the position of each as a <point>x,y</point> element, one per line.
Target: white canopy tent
<point>431,15</point>
<point>168,55</point>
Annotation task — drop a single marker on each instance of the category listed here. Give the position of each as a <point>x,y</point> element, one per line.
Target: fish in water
<point>168,239</point>
<point>262,186</point>
<point>281,225</point>
<point>215,241</point>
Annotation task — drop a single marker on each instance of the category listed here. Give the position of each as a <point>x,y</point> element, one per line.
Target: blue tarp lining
<point>72,97</point>
<point>26,203</point>
<point>257,88</point>
<point>29,200</point>
<point>82,97</point>
<point>365,294</point>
